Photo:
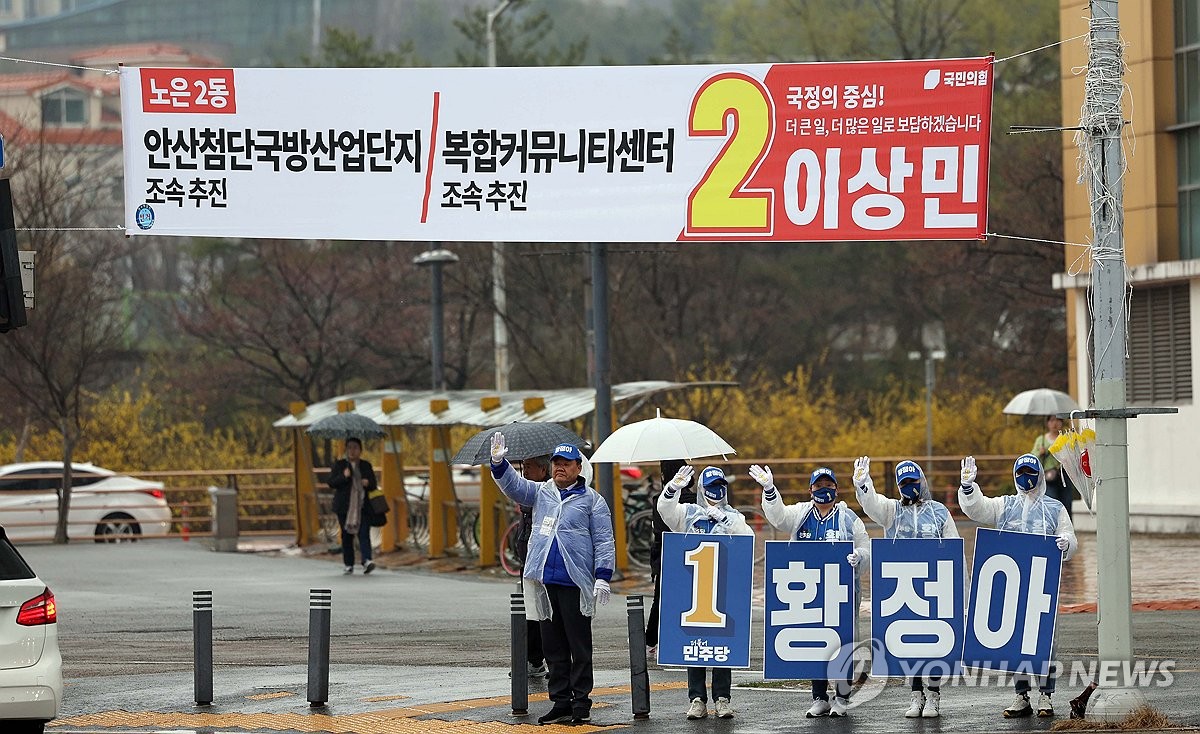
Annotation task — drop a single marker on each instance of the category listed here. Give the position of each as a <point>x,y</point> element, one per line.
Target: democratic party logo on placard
<point>917,605</point>
<point>704,608</point>
<point>810,604</point>
<point>1014,602</point>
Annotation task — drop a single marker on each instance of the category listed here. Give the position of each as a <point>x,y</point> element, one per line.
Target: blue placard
<point>1014,602</point>
<point>704,607</point>
<point>810,604</point>
<point>917,592</point>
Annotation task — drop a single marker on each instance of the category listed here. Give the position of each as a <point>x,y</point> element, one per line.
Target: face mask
<point>715,493</point>
<point>1027,482</point>
<point>911,490</point>
<point>824,495</point>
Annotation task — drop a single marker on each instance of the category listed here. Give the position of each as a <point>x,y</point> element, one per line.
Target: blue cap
<point>822,471</point>
<point>713,475</point>
<point>1027,461</point>
<point>907,471</point>
<point>567,451</point>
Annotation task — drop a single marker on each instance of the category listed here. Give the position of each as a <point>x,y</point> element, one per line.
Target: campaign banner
<point>1014,602</point>
<point>704,604</point>
<point>879,150</point>
<point>810,605</point>
<point>917,606</point>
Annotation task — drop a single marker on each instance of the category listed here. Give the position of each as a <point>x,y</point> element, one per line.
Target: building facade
<point>1162,251</point>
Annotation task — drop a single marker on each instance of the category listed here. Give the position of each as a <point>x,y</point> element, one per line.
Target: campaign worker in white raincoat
<point>823,518</point>
<point>710,515</point>
<point>570,562</point>
<point>1027,511</point>
<point>915,515</point>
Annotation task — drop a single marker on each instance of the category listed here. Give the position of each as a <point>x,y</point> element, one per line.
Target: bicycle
<point>510,549</point>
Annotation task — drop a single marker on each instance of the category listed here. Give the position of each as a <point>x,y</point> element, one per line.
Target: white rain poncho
<point>688,517</point>
<point>925,518</point>
<point>582,525</point>
<point>1025,512</point>
<point>790,519</point>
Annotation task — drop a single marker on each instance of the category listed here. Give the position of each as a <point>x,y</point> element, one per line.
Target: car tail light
<point>38,610</point>
<point>157,494</point>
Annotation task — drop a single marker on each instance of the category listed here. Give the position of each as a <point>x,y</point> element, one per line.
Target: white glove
<point>1062,542</point>
<point>853,559</point>
<point>966,476</point>
<point>499,448</point>
<point>762,475</point>
<point>603,592</point>
<point>680,480</point>
<point>716,514</point>
<point>862,472</point>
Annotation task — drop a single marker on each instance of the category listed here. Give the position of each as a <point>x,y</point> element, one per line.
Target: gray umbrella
<point>346,425</point>
<point>524,441</point>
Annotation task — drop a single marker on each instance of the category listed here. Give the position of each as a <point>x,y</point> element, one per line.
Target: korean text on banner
<point>917,589</point>
<point>1014,602</point>
<point>704,612</point>
<point>886,150</point>
<point>810,604</point>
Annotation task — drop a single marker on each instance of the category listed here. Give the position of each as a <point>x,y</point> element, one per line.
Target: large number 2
<point>719,204</point>
<point>704,612</point>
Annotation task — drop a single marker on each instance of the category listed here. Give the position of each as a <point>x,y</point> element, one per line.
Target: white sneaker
<point>652,654</point>
<point>840,706</point>
<point>1020,707</point>
<point>1045,708</point>
<point>914,708</point>
<point>537,671</point>
<point>820,707</point>
<point>697,710</point>
<point>368,567</point>
<point>933,705</point>
<point>724,710</point>
<point>349,570</point>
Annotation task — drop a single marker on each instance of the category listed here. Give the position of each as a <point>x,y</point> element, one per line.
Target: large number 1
<point>704,612</point>
<point>719,203</point>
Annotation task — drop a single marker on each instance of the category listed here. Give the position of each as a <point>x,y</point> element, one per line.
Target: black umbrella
<point>346,425</point>
<point>524,441</point>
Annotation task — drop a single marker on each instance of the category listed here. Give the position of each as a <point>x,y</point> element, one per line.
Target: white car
<point>31,686</point>
<point>109,506</point>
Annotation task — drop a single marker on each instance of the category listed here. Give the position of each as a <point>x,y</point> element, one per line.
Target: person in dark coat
<point>351,479</point>
<point>667,469</point>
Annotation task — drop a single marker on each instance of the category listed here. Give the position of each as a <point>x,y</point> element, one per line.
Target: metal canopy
<point>466,406</point>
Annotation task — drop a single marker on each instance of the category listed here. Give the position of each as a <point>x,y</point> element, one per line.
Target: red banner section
<point>188,91</point>
<point>894,150</point>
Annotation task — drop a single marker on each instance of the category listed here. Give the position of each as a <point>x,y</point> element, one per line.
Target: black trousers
<point>533,643</point>
<point>652,620</point>
<point>722,681</point>
<point>364,540</point>
<point>567,643</point>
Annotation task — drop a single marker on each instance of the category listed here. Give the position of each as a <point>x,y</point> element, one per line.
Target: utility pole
<point>1101,127</point>
<point>602,377</point>
<point>499,288</point>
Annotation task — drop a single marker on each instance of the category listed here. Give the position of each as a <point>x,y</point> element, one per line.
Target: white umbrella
<point>660,438</point>
<point>1041,401</point>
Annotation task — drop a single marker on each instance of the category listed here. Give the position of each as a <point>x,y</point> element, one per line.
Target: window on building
<point>1187,114</point>
<point>64,107</point>
<point>1160,346</point>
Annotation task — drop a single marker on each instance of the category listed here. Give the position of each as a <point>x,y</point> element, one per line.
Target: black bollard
<point>202,647</point>
<point>320,608</point>
<point>639,678</point>
<point>520,657</point>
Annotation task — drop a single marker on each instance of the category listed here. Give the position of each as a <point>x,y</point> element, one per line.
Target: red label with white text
<point>893,150</point>
<point>188,91</point>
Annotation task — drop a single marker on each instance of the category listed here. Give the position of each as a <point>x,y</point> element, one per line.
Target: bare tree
<point>75,342</point>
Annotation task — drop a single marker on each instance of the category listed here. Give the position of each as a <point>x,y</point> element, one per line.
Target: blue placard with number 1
<point>704,611</point>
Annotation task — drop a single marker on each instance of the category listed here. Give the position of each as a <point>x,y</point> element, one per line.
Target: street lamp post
<point>435,259</point>
<point>929,356</point>
<point>499,289</point>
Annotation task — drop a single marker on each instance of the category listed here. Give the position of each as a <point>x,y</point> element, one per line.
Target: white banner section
<point>786,152</point>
